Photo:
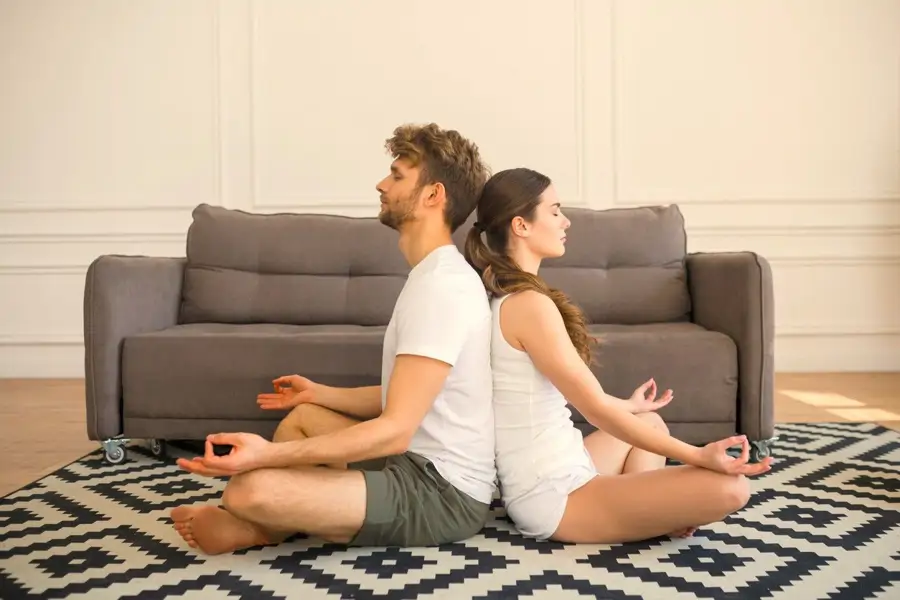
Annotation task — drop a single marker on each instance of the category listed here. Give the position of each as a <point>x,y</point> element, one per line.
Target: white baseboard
<point>794,353</point>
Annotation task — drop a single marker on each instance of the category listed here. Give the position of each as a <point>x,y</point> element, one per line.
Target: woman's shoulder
<point>527,305</point>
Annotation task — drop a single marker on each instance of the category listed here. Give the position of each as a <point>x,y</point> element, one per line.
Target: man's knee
<point>655,420</point>
<point>292,425</point>
<point>245,493</point>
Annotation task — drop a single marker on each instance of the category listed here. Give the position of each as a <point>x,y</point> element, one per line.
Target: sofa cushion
<point>173,373</point>
<point>300,269</point>
<point>622,265</point>
<point>700,366</point>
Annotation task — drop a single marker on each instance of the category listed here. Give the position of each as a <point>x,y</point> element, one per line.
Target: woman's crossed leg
<point>635,498</point>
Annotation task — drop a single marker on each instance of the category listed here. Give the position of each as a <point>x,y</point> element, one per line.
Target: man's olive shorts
<point>408,503</point>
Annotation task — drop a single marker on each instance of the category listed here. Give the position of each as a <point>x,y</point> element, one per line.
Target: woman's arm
<point>532,319</point>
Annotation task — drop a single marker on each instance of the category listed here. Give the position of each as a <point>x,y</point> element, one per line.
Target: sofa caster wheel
<point>114,451</point>
<point>158,448</point>
<point>115,455</point>
<point>760,450</point>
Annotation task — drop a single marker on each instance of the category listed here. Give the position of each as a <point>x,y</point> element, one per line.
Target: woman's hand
<point>248,452</point>
<point>644,398</point>
<point>714,457</point>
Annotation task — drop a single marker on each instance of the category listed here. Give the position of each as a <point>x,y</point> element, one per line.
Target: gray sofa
<point>176,348</point>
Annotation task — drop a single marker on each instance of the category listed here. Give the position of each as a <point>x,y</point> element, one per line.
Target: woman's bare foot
<point>215,530</point>
<point>683,533</point>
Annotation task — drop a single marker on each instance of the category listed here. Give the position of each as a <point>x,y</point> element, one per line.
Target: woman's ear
<point>520,227</point>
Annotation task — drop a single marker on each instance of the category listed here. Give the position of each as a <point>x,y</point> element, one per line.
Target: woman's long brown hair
<point>506,195</point>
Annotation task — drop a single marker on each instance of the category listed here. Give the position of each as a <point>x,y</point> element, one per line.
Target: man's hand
<point>713,456</point>
<point>290,391</point>
<point>644,398</point>
<point>248,452</point>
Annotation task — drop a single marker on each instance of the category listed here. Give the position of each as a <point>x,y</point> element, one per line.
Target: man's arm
<point>415,383</point>
<point>429,341</point>
<point>362,402</point>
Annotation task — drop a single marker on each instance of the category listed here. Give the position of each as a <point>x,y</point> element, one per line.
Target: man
<point>430,422</point>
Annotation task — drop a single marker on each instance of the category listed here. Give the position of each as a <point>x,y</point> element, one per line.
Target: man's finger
<point>283,381</point>
<point>208,449</point>
<point>197,467</point>
<point>231,439</point>
<point>206,472</point>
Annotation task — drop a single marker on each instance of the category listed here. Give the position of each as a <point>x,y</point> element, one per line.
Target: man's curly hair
<point>447,157</point>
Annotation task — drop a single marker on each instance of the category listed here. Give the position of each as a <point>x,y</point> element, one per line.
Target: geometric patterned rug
<point>823,523</point>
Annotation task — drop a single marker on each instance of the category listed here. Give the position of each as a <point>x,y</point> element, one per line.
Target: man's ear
<point>436,194</point>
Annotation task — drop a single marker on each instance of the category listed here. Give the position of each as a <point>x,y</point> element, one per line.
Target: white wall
<point>775,124</point>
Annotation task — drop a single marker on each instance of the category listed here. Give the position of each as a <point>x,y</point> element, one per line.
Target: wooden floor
<point>42,422</point>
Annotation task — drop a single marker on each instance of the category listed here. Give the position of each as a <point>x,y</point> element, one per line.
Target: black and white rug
<point>824,523</point>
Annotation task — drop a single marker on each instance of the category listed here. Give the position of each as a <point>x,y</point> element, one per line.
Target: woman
<point>609,486</point>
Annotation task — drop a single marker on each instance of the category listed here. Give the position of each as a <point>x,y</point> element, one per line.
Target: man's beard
<point>395,214</point>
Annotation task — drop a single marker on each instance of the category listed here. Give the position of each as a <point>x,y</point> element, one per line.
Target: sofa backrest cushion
<point>622,265</point>
<point>301,269</point>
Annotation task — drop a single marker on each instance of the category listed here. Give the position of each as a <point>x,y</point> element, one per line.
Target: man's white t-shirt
<point>443,312</point>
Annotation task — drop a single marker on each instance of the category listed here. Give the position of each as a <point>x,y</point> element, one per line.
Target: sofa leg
<point>114,450</point>
<point>761,449</point>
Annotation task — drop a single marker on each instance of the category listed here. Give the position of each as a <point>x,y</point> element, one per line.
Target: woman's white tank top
<point>536,439</point>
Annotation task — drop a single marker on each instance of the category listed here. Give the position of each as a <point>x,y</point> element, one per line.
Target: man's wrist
<point>323,395</point>
<point>279,454</point>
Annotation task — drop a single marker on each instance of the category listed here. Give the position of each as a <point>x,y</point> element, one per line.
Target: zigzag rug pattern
<point>824,523</point>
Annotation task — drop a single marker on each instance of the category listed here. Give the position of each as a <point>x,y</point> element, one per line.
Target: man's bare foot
<point>215,530</point>
<point>683,533</point>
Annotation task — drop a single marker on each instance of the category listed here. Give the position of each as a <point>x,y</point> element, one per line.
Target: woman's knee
<point>735,492</point>
<point>655,420</point>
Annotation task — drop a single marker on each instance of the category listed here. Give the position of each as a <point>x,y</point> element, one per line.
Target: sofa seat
<point>701,367</point>
<point>175,372</point>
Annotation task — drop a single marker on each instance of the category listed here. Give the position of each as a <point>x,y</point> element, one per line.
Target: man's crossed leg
<point>266,506</point>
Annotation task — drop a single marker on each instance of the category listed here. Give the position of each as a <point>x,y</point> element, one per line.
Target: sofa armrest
<point>123,295</point>
<point>731,292</point>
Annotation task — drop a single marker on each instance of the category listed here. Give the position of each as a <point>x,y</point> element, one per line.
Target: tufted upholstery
<point>297,269</point>
<point>624,265</point>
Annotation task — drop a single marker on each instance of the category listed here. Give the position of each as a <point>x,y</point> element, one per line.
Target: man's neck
<point>418,239</point>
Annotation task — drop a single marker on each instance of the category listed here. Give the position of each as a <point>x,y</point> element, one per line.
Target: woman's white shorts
<point>538,512</point>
